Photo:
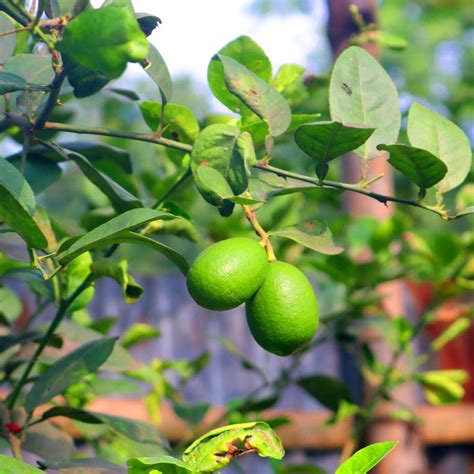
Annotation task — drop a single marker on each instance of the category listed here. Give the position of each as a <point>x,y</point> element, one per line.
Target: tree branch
<point>354,188</point>
<point>144,137</point>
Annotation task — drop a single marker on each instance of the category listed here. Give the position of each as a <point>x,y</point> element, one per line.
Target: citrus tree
<point>61,52</point>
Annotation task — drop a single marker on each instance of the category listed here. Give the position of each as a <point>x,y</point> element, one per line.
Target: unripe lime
<point>227,273</point>
<point>283,314</point>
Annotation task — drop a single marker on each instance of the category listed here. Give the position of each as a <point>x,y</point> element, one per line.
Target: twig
<point>252,218</point>
<point>52,100</point>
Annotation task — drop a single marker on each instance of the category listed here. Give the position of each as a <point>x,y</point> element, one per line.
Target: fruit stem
<point>252,218</point>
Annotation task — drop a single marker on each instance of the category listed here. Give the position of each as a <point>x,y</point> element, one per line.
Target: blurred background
<point>428,51</point>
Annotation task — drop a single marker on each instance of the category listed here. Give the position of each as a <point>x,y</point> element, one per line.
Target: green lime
<point>227,273</point>
<point>283,314</point>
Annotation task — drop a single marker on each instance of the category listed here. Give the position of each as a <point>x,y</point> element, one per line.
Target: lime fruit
<point>283,314</point>
<point>227,273</point>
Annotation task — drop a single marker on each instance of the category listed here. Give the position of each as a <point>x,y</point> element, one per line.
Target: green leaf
<point>147,22</point>
<point>180,122</point>
<point>312,234</point>
<point>73,335</point>
<point>361,92</point>
<point>76,272</point>
<point>137,333</point>
<point>105,40</point>
<point>13,466</point>
<point>248,53</point>
<point>162,464</point>
<point>438,135</point>
<point>456,328</point>
<point>69,370</point>
<point>110,160</point>
<point>11,82</point>
<point>287,75</point>
<point>257,94</point>
<point>69,412</point>
<point>39,173</point>
<point>326,390</point>
<point>366,458</point>
<point>422,167</point>
<point>10,304</point>
<point>442,387</point>
<point>155,66</point>
<point>18,205</point>
<point>133,429</point>
<point>119,197</point>
<point>83,80</point>
<point>325,141</point>
<point>111,229</point>
<point>215,449</point>
<point>138,239</point>
<point>191,413</point>
<point>7,43</point>
<point>391,41</point>
<point>49,442</point>
<point>83,466</point>
<point>224,149</point>
<point>212,185</point>
<point>33,68</point>
<point>118,271</point>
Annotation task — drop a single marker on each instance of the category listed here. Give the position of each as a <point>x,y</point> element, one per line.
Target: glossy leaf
<point>84,81</point>
<point>311,234</point>
<point>110,230</point>
<point>69,370</point>
<point>258,95</point>
<point>223,148</point>
<point>180,122</point>
<point>212,186</point>
<point>155,66</point>
<point>111,32</point>
<point>325,141</point>
<point>444,139</point>
<point>162,464</point>
<point>248,53</point>
<point>18,205</point>
<point>138,239</point>
<point>366,458</point>
<point>13,466</point>
<point>326,390</point>
<point>361,92</point>
<point>422,167</point>
<point>10,82</point>
<point>118,271</point>
<point>215,449</point>
<point>287,75</point>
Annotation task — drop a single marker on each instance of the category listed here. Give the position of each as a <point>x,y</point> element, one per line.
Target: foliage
<point>108,196</point>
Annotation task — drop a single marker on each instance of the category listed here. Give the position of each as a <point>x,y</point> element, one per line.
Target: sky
<point>192,32</point>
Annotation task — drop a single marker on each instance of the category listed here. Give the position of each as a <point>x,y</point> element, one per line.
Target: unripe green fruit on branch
<point>283,314</point>
<point>227,273</point>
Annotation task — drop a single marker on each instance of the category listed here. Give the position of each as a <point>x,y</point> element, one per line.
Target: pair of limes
<point>281,307</point>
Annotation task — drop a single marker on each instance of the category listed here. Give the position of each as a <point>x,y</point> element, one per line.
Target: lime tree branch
<point>354,188</point>
<point>60,313</point>
<point>107,132</point>
<point>259,230</point>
